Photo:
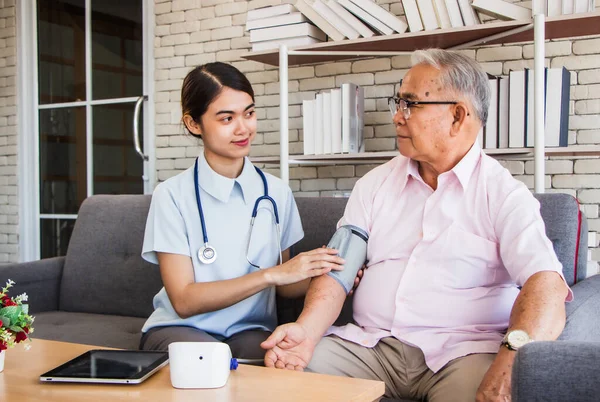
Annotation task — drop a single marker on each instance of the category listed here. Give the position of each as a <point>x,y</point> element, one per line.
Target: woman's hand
<point>305,265</point>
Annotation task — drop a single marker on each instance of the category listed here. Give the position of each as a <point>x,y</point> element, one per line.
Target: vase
<point>2,354</point>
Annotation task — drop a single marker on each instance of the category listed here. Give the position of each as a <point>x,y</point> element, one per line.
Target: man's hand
<point>288,347</point>
<point>358,278</point>
<point>496,384</point>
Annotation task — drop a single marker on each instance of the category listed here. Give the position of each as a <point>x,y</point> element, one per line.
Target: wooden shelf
<point>564,26</point>
<point>378,157</point>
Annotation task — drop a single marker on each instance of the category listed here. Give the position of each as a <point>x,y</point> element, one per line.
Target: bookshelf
<point>538,30</point>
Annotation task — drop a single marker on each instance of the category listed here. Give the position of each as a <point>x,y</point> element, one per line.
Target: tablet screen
<point>109,365</point>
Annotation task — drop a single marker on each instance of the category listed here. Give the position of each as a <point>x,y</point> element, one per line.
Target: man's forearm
<point>322,305</point>
<point>540,307</point>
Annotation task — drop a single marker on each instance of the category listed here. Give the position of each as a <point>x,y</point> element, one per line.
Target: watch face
<point>518,338</point>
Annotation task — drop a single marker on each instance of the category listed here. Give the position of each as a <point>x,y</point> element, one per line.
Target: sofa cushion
<point>582,313</point>
<point>90,329</point>
<point>567,229</point>
<point>104,272</point>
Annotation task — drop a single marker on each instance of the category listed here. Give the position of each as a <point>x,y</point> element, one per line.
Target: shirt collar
<point>221,187</point>
<point>463,169</point>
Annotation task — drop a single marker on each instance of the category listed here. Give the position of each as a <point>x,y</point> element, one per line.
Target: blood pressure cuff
<point>351,243</point>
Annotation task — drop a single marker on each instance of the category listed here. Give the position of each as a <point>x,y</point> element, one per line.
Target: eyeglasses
<point>404,105</point>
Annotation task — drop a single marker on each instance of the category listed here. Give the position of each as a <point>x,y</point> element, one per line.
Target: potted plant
<point>15,321</point>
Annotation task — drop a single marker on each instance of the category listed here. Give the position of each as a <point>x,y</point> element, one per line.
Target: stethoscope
<point>207,253</point>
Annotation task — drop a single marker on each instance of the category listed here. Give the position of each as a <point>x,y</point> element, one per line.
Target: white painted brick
<point>588,137</point>
<point>587,166</point>
<point>303,173</point>
<point>401,62</point>
<point>192,48</point>
<point>500,53</point>
<point>492,67</point>
<point>358,79</point>
<point>200,14</point>
<point>199,59</point>
<point>378,64</point>
<point>168,85</point>
<point>178,73</point>
<point>253,4</point>
<point>585,91</point>
<point>380,144</point>
<point>171,40</point>
<point>384,131</point>
<point>164,52</point>
<point>317,83</point>
<point>590,46</point>
<point>519,65</point>
<point>239,19</point>
<point>185,27</point>
<point>240,43</point>
<point>584,122</point>
<point>335,171</point>
<point>225,33</point>
<point>162,8</point>
<point>182,140</point>
<point>273,87</point>
<point>296,73</point>
<point>201,36</point>
<point>219,22</point>
<point>230,9</point>
<point>170,18</point>
<point>214,46</point>
<point>552,166</point>
<point>576,181</point>
<point>591,211</point>
<point>317,184</point>
<point>390,77</point>
<point>588,106</point>
<point>165,164</point>
<point>307,194</point>
<point>179,5</point>
<point>230,55</point>
<point>167,174</point>
<point>171,152</point>
<point>377,118</point>
<point>170,62</point>
<point>184,163</point>
<point>514,167</point>
<point>589,76</point>
<point>262,77</point>
<point>577,62</point>
<point>552,49</point>
<point>379,91</point>
<point>248,66</point>
<point>162,30</point>
<point>333,69</point>
<point>346,184</point>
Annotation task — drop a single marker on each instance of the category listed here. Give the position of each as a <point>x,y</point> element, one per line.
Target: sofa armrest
<point>583,322</point>
<point>556,372</point>
<point>39,279</point>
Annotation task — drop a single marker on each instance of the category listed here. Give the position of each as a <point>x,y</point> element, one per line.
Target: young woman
<point>220,273</point>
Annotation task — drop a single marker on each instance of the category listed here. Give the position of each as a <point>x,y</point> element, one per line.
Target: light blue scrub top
<point>173,226</point>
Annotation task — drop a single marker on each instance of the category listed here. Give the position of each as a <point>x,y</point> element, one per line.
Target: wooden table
<point>20,382</point>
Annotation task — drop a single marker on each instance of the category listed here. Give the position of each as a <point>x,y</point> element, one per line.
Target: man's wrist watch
<point>515,339</point>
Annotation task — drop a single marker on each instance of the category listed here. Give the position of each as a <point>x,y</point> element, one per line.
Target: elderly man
<point>460,271</point>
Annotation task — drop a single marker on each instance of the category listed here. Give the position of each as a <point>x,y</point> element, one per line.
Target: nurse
<point>220,277</point>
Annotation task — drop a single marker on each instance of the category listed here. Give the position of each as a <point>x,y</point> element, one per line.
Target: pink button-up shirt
<point>444,265</point>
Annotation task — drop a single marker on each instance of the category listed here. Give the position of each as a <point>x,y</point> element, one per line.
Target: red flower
<point>20,336</point>
<point>26,330</point>
<point>3,346</point>
<point>7,301</point>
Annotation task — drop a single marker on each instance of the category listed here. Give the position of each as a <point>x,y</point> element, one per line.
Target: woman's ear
<point>459,117</point>
<point>191,125</point>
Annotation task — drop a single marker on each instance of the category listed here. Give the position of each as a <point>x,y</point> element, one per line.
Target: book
<point>335,20</point>
<point>289,42</point>
<point>271,11</point>
<point>318,124</point>
<point>503,108</point>
<point>286,31</point>
<point>530,118</point>
<point>428,15</point>
<point>413,17</point>
<point>353,107</point>
<point>568,6</point>
<point>554,8</point>
<point>469,15</point>
<point>517,95</point>
<point>286,19</point>
<point>382,15</point>
<point>336,121</point>
<point>327,123</point>
<point>502,10</point>
<point>350,19</point>
<point>582,6</point>
<point>456,19</point>
<point>306,8</point>
<point>558,85</point>
<point>308,116</point>
<point>441,13</point>
<point>491,126</point>
<point>366,17</point>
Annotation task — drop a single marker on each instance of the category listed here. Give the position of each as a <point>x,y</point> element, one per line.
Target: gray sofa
<point>101,292</point>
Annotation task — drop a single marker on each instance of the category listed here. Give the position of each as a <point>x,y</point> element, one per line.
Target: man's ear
<point>459,116</point>
<point>191,125</point>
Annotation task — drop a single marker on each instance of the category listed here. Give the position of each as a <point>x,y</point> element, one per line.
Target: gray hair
<point>461,74</point>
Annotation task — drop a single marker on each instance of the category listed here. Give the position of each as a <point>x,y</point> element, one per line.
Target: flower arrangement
<point>15,321</point>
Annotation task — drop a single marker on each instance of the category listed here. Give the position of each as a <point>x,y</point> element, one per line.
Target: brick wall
<point>8,135</point>
<point>191,32</point>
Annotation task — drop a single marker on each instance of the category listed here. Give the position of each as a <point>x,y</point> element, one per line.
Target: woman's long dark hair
<point>204,83</point>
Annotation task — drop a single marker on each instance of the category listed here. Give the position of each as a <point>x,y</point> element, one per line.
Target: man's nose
<point>398,118</point>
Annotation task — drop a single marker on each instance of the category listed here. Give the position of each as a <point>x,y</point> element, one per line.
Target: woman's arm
<point>295,289</point>
<point>191,298</point>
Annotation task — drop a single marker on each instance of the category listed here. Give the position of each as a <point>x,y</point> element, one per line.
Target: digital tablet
<point>109,367</point>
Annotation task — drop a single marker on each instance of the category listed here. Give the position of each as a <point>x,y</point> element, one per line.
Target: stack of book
<point>281,25</point>
<point>511,111</point>
<point>561,7</point>
<point>333,122</point>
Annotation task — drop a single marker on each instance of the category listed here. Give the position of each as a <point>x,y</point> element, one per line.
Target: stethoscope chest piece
<point>207,254</point>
